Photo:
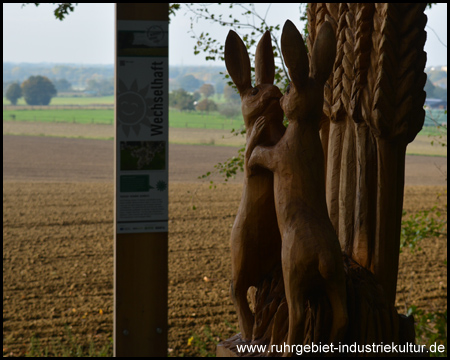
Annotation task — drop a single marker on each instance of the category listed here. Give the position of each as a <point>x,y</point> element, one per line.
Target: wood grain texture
<point>395,116</point>
<point>338,175</point>
<point>255,237</point>
<point>310,252</point>
<point>374,105</point>
<point>141,280</point>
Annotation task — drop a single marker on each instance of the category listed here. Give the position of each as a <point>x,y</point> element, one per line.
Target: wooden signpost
<point>141,180</point>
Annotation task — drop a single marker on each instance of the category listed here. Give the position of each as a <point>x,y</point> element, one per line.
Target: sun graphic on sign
<point>132,107</point>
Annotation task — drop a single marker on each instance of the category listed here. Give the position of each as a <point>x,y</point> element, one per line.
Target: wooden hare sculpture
<point>311,255</point>
<point>255,238</point>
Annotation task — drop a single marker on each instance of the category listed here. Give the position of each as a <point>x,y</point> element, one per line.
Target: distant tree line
<point>38,90</point>
<point>100,78</point>
<point>76,75</point>
<point>199,100</point>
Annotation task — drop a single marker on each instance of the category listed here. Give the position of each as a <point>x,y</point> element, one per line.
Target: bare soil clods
<point>58,260</point>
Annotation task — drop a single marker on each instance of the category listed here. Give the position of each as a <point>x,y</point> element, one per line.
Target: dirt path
<point>99,131</point>
<point>421,144</point>
<point>36,158</point>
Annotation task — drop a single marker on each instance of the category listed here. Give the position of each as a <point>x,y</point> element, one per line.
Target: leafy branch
<point>250,25</point>
<point>431,328</point>
<point>228,169</point>
<point>424,224</point>
<point>61,11</point>
<point>441,137</point>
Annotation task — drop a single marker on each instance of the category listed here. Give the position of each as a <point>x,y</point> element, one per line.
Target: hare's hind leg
<point>295,296</point>
<point>296,305</point>
<point>239,290</point>
<point>337,295</point>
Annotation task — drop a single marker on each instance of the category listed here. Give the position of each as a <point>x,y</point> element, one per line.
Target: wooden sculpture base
<point>228,348</point>
<point>372,320</point>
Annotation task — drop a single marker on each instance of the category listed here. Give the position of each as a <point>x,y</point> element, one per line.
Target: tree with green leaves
<point>180,99</point>
<point>190,83</point>
<point>38,90</point>
<point>206,105</point>
<point>63,85</point>
<point>13,93</point>
<point>231,95</point>
<point>100,87</point>
<point>207,90</point>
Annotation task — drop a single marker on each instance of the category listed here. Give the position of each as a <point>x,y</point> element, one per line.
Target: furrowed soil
<point>58,245</point>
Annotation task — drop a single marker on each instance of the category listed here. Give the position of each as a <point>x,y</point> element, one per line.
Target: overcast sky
<point>32,34</point>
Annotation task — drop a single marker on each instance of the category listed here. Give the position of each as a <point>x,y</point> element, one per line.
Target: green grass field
<point>178,119</point>
<point>79,116</point>
<point>198,120</point>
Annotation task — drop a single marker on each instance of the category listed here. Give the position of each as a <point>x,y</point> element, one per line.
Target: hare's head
<point>264,98</point>
<point>303,100</point>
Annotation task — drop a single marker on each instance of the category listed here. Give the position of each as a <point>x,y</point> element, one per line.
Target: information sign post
<point>141,180</point>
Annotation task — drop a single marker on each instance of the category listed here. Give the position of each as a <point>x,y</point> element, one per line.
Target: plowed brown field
<point>58,247</point>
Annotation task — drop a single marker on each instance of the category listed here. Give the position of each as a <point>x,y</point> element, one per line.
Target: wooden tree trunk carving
<point>377,93</point>
<point>334,201</point>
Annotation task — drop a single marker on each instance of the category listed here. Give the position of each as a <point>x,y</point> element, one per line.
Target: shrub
<point>230,110</point>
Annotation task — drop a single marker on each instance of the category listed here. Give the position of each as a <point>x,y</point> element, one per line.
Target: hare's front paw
<point>258,128</point>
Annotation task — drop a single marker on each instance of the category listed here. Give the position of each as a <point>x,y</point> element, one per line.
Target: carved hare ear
<point>324,53</point>
<point>264,62</point>
<point>294,54</point>
<point>237,61</point>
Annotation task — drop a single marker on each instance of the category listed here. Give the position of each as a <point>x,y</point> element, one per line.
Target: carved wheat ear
<point>324,53</point>
<point>264,61</point>
<point>237,61</point>
<point>294,54</point>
